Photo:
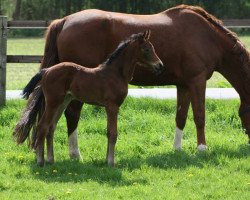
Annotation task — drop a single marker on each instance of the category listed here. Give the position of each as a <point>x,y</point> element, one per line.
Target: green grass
<point>146,165</point>
<point>19,74</point>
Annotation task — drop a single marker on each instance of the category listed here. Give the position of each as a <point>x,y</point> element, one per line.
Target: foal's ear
<point>147,34</point>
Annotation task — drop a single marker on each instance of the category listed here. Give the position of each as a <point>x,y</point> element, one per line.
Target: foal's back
<point>89,85</point>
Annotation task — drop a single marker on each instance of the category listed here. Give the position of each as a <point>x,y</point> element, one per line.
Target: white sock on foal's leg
<point>74,152</point>
<point>178,139</point>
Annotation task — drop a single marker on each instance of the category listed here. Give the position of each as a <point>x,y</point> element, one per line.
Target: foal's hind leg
<point>50,135</point>
<point>72,114</point>
<point>42,131</point>
<point>183,102</point>
<point>44,127</point>
<point>50,145</point>
<point>112,112</point>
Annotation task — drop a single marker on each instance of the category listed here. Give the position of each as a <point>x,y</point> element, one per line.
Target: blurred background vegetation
<point>51,9</point>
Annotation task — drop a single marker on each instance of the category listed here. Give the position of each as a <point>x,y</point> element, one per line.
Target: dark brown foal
<point>105,85</point>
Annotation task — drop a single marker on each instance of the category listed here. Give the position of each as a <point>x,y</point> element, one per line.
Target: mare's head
<point>146,55</point>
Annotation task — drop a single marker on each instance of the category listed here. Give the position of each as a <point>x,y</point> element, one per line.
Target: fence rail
<point>41,24</point>
<point>24,59</point>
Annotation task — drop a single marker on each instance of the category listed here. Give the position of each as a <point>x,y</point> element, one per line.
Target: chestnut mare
<point>105,85</point>
<point>191,43</point>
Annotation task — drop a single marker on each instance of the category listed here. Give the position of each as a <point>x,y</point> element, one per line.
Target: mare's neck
<point>233,71</point>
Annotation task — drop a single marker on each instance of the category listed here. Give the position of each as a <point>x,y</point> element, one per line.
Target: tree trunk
<point>68,7</point>
<point>17,12</point>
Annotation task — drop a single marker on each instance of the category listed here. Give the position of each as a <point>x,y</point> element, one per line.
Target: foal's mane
<point>121,47</point>
<point>238,48</point>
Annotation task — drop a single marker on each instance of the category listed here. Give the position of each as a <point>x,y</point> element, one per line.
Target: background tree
<point>51,9</point>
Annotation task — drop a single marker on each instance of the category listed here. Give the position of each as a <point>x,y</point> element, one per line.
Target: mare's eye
<point>146,50</point>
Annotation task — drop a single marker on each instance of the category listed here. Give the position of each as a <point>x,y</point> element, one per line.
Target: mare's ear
<point>146,34</point>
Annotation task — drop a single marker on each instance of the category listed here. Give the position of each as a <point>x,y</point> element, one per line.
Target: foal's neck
<point>125,63</point>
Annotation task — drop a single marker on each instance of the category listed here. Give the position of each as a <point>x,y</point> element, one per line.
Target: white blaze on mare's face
<point>73,146</point>
<point>178,139</point>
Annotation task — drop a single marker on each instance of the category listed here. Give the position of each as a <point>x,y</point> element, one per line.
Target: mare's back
<point>88,37</point>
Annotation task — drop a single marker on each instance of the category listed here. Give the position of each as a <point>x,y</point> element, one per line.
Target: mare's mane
<point>121,47</point>
<point>238,48</point>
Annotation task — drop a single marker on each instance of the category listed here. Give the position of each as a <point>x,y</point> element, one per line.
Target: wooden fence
<point>4,58</point>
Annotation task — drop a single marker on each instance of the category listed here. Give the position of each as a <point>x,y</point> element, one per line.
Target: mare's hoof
<point>202,147</point>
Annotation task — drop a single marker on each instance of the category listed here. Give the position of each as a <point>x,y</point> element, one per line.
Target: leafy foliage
<point>51,9</point>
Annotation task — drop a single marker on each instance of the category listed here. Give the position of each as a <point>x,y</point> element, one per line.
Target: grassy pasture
<point>146,165</point>
<point>19,74</point>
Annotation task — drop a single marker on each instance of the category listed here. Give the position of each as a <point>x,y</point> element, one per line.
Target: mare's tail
<point>30,113</point>
<point>50,56</point>
<point>35,103</point>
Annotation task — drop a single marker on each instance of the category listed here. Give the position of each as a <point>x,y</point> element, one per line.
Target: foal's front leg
<point>112,113</point>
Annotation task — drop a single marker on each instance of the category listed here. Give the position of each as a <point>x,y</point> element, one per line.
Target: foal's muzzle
<point>159,68</point>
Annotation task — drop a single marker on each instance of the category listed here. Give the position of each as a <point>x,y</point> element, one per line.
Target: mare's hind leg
<point>72,114</point>
<point>183,102</point>
<point>112,112</point>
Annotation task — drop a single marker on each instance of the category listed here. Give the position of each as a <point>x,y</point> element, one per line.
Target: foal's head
<point>138,47</point>
<point>146,55</point>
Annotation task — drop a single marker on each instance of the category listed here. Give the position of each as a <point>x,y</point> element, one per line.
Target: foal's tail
<point>29,115</point>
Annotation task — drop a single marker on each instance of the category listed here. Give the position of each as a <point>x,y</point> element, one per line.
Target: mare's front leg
<point>197,88</point>
<point>72,114</point>
<point>112,113</point>
<point>183,102</point>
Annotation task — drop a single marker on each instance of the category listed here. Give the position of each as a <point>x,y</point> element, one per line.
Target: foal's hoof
<point>202,147</point>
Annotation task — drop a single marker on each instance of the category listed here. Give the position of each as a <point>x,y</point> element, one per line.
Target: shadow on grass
<point>182,160</point>
<point>98,171</point>
<point>76,171</point>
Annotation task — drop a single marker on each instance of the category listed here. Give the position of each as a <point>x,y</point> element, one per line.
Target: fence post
<point>3,58</point>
